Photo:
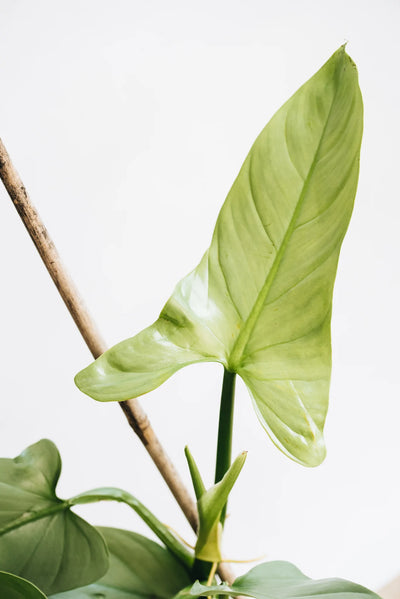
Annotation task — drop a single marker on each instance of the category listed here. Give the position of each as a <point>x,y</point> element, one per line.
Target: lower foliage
<point>44,545</point>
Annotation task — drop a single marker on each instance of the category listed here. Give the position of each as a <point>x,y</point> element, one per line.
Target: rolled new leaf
<point>260,300</point>
<point>281,580</point>
<point>139,569</point>
<point>210,504</point>
<point>197,481</point>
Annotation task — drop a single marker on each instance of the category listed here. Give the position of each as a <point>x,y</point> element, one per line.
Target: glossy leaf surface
<point>14,587</point>
<point>40,538</point>
<point>282,580</point>
<point>139,569</point>
<point>260,300</point>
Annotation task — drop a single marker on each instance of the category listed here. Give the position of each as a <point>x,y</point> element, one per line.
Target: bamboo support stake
<point>391,590</point>
<point>133,411</point>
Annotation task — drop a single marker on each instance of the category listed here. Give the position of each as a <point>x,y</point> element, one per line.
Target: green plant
<point>259,303</point>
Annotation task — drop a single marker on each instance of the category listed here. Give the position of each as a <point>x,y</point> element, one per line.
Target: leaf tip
<point>309,450</point>
<point>342,58</point>
<point>79,380</point>
<point>316,456</point>
<point>95,382</point>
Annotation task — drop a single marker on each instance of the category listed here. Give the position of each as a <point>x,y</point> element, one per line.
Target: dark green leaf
<point>139,569</point>
<point>260,300</point>
<point>14,587</point>
<point>282,580</point>
<point>40,538</point>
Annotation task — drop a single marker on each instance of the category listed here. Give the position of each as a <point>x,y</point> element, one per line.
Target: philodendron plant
<point>259,302</point>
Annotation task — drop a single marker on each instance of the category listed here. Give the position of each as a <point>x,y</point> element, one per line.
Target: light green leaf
<point>210,505</point>
<point>260,300</point>
<point>40,538</point>
<point>195,475</point>
<point>281,580</point>
<point>139,569</point>
<point>14,587</point>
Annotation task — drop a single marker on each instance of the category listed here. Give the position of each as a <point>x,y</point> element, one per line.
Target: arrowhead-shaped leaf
<point>260,300</point>
<point>40,538</point>
<point>281,580</point>
<point>14,587</point>
<point>139,569</point>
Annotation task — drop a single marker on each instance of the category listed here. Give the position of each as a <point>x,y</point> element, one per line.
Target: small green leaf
<point>197,481</point>
<point>40,538</point>
<point>159,529</point>
<point>14,587</point>
<point>139,569</point>
<point>210,506</point>
<point>260,300</point>
<point>281,580</point>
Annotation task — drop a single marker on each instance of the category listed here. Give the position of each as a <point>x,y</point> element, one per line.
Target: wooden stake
<point>133,411</point>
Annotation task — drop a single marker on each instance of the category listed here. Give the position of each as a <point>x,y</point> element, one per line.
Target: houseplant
<point>259,303</point>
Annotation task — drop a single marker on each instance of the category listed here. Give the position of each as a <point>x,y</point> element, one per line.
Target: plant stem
<point>224,445</point>
<point>212,574</point>
<point>159,529</point>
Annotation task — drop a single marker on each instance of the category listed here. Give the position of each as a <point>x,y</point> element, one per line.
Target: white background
<point>128,122</point>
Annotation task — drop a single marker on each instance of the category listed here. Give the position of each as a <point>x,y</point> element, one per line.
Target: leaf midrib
<point>35,515</point>
<point>245,333</point>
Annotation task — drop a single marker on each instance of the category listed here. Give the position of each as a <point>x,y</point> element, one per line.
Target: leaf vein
<point>244,335</point>
<point>288,150</point>
<point>309,332</point>
<point>341,188</point>
<point>226,281</point>
<point>252,195</point>
<point>308,274</point>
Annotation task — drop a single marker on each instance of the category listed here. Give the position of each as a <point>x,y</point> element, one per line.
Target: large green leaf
<point>260,300</point>
<point>40,538</point>
<point>139,569</point>
<point>14,587</point>
<point>281,580</point>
